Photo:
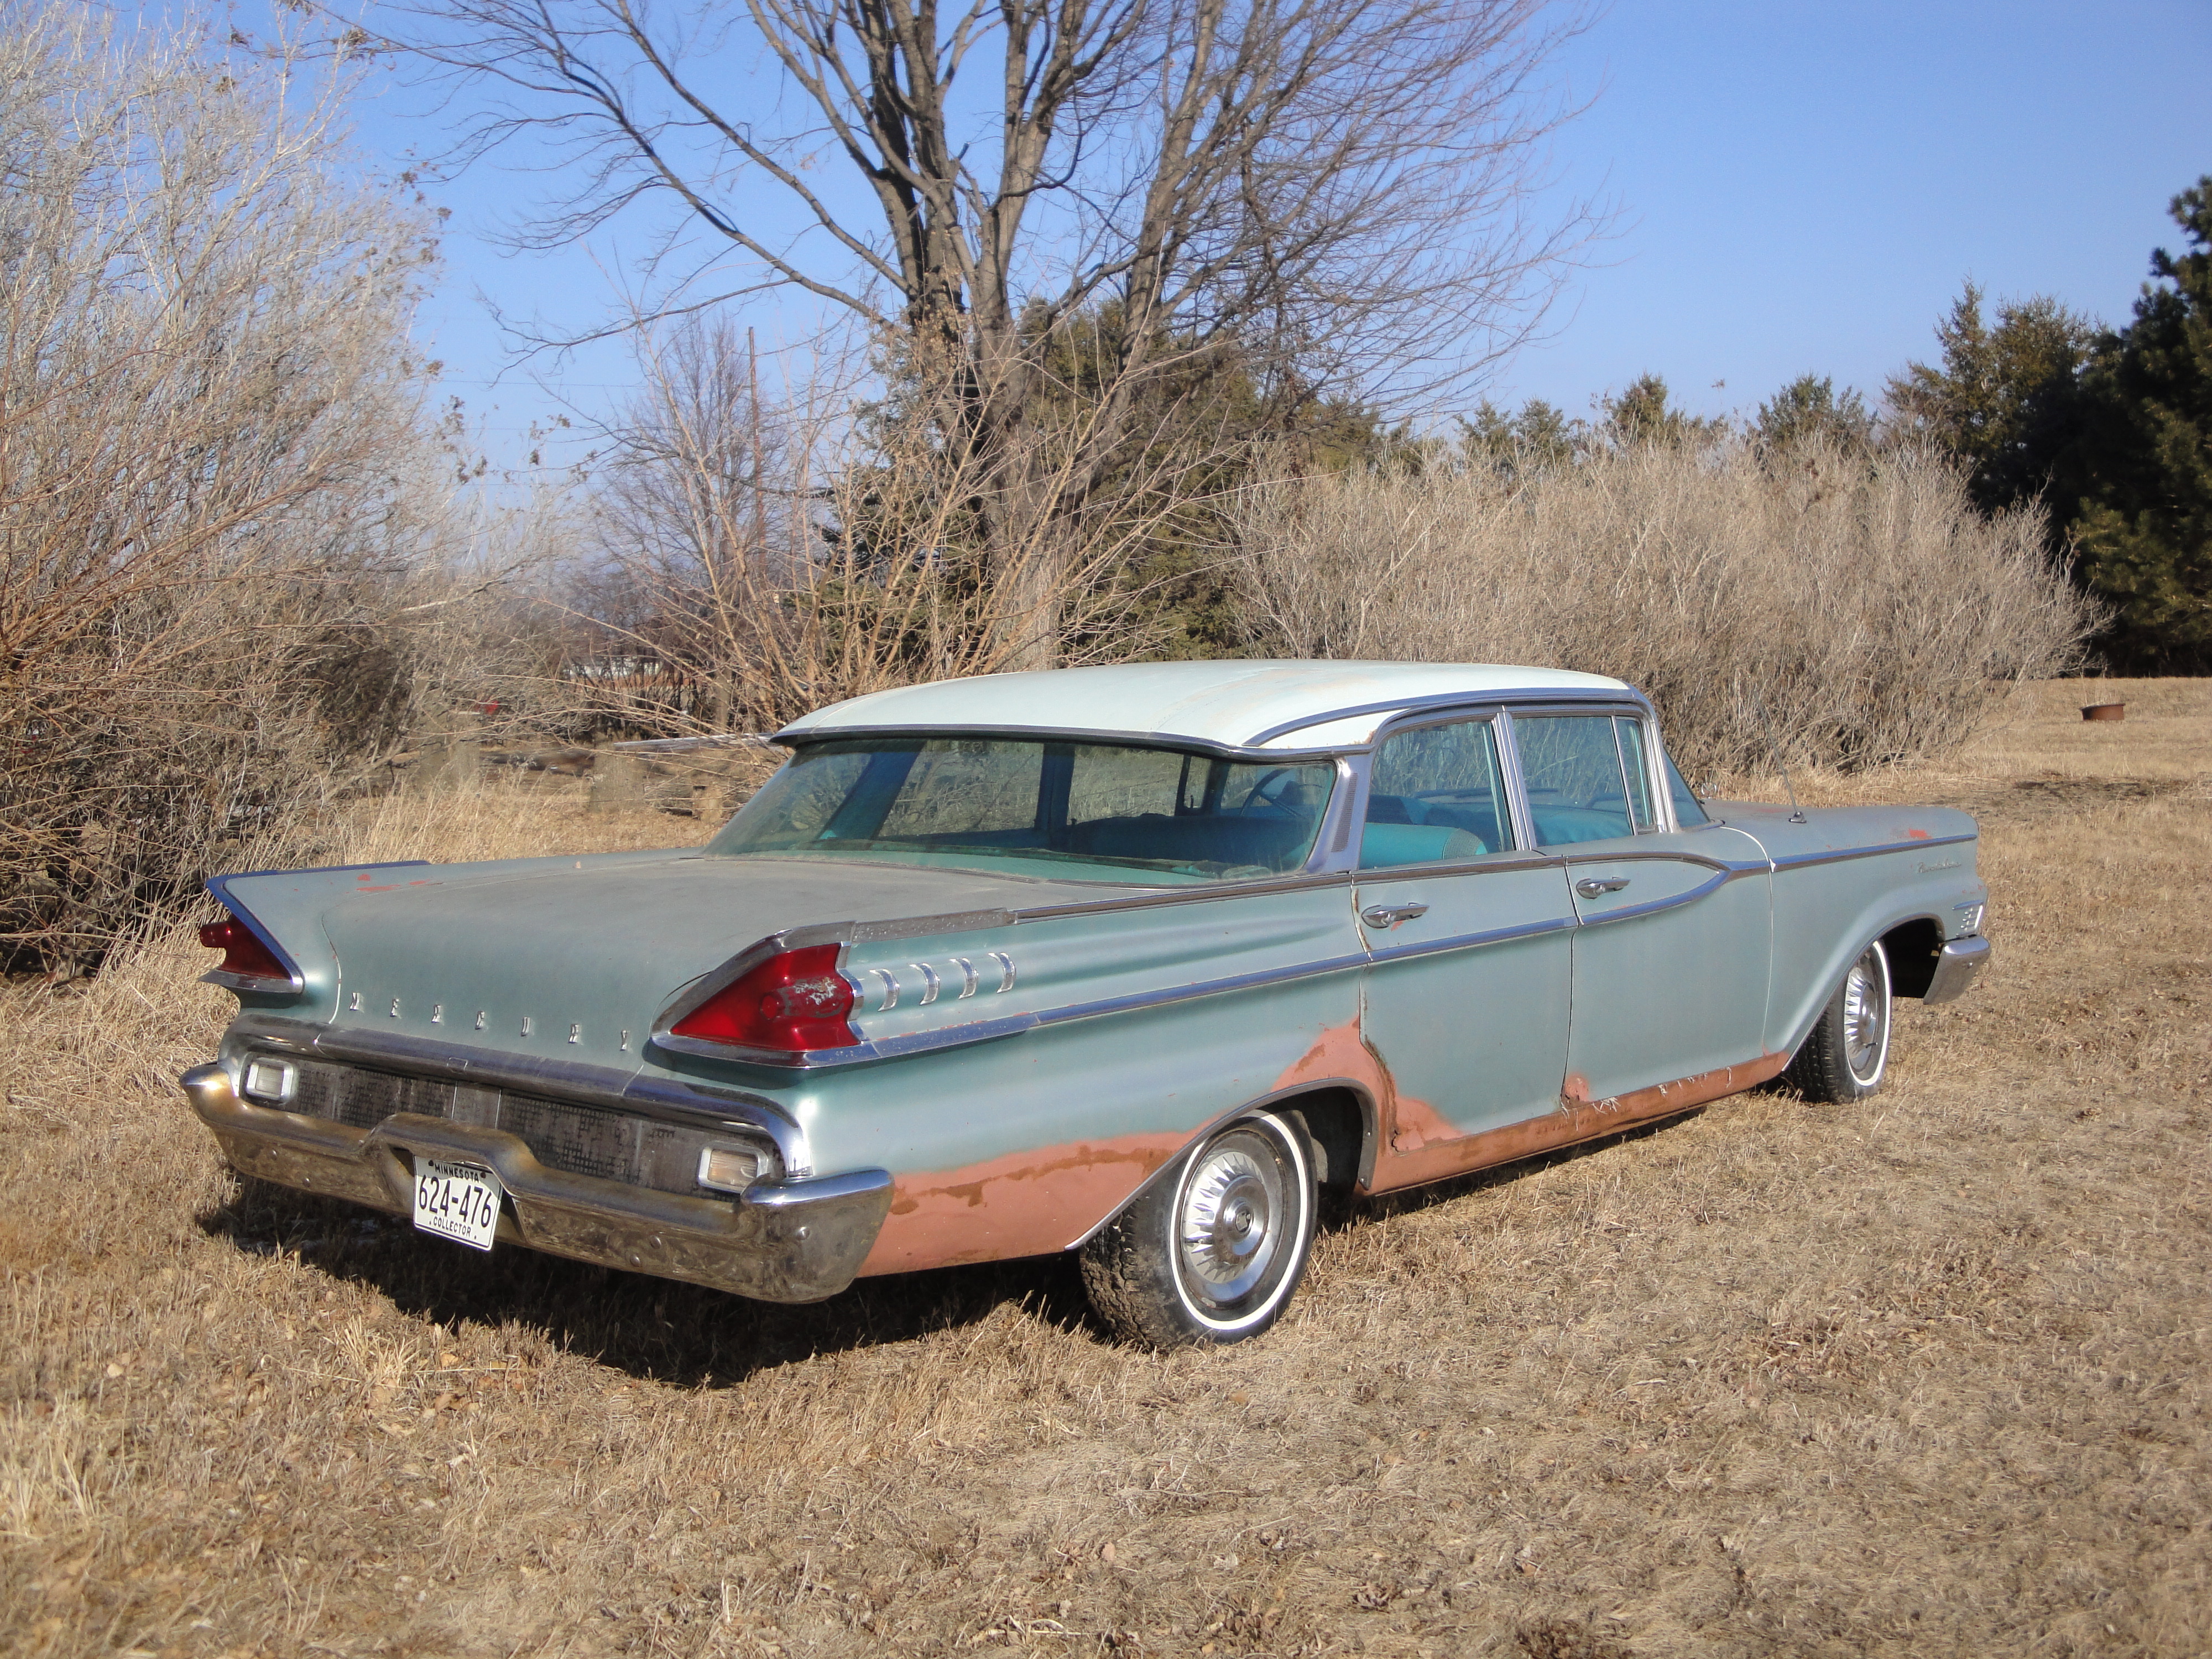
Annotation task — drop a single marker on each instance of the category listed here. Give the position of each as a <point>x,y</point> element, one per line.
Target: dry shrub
<point>1862,602</point>
<point>214,482</point>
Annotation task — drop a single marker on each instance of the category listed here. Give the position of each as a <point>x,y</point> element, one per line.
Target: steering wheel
<point>1264,799</point>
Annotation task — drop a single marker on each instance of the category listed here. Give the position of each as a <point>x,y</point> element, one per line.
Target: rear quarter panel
<point>1021,1144</point>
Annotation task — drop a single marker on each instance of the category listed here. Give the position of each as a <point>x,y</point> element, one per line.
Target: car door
<point>1465,998</point>
<point>1672,954</point>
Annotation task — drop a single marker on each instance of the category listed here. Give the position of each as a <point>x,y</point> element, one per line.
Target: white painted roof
<point>1239,704</point>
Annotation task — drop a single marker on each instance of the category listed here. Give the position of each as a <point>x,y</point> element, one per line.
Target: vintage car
<point>1136,961</point>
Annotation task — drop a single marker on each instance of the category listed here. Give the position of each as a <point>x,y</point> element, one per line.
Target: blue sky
<point>1795,187</point>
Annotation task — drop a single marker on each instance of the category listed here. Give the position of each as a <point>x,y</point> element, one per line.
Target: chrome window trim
<point>1612,706</point>
<point>1252,749</point>
<point>1336,847</point>
<point>1165,740</point>
<point>1446,701</point>
<point>1500,720</point>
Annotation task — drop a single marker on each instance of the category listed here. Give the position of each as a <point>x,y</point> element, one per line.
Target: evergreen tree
<point>1643,414</point>
<point>2005,400</point>
<point>2145,525</point>
<point>1540,437</point>
<point>1809,408</point>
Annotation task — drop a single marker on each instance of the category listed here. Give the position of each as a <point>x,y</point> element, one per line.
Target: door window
<point>1436,794</point>
<point>1687,811</point>
<point>1578,788</point>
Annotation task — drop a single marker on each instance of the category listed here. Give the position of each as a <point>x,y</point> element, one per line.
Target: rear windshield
<point>1120,813</point>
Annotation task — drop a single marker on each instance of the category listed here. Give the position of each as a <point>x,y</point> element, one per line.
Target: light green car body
<point>1036,1046</point>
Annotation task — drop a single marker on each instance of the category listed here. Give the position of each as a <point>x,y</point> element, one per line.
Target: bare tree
<point>1339,186</point>
<point>215,487</point>
<point>754,555</point>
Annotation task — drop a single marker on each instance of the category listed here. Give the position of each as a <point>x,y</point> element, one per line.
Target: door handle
<point>1599,886</point>
<point>1387,916</point>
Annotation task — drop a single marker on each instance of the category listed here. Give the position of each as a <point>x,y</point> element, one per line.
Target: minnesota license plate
<point>457,1200</point>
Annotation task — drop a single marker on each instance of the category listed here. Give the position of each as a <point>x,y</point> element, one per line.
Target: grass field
<point>1927,1374</point>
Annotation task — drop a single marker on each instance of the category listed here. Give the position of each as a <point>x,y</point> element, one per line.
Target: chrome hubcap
<point>1866,1018</point>
<point>1226,1230</point>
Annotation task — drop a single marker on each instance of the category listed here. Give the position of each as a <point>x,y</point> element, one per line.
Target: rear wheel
<point>1212,1254</point>
<point>1847,1054</point>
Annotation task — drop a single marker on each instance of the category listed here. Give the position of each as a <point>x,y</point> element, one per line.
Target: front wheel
<point>1212,1253</point>
<point>1848,1053</point>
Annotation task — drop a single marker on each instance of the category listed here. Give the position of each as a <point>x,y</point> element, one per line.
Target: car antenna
<point>1797,812</point>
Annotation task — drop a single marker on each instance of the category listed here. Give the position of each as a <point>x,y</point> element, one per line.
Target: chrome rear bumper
<point>1958,965</point>
<point>791,1241</point>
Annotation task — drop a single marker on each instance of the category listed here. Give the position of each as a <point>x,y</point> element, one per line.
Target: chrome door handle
<point>1598,886</point>
<point>1387,916</point>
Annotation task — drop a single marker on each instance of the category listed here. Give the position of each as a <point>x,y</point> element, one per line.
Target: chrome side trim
<point>1474,941</point>
<point>791,1241</point>
<point>1663,855</point>
<point>1691,896</point>
<point>988,1031</point>
<point>1805,860</point>
<point>1210,987</point>
<point>1958,965</point>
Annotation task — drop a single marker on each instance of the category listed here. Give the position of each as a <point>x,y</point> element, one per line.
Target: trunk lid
<point>587,955</point>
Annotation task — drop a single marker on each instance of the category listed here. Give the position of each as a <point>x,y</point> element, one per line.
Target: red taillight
<point>790,1003</point>
<point>243,954</point>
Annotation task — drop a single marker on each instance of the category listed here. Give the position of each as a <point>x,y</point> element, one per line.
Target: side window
<point>1571,765</point>
<point>1630,733</point>
<point>1687,809</point>
<point>1436,794</point>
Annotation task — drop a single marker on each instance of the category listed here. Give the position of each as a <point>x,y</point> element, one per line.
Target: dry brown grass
<point>1925,1376</point>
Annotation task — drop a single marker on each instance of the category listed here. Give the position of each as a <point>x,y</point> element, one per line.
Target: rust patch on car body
<point>1578,1119</point>
<point>1044,1198</point>
<point>1032,1203</point>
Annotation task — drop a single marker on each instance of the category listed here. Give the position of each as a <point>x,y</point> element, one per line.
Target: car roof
<point>1245,704</point>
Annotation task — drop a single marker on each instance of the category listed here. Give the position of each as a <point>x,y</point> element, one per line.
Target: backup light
<point>734,1168</point>
<point>794,1002</point>
<point>247,963</point>
<point>270,1080</point>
